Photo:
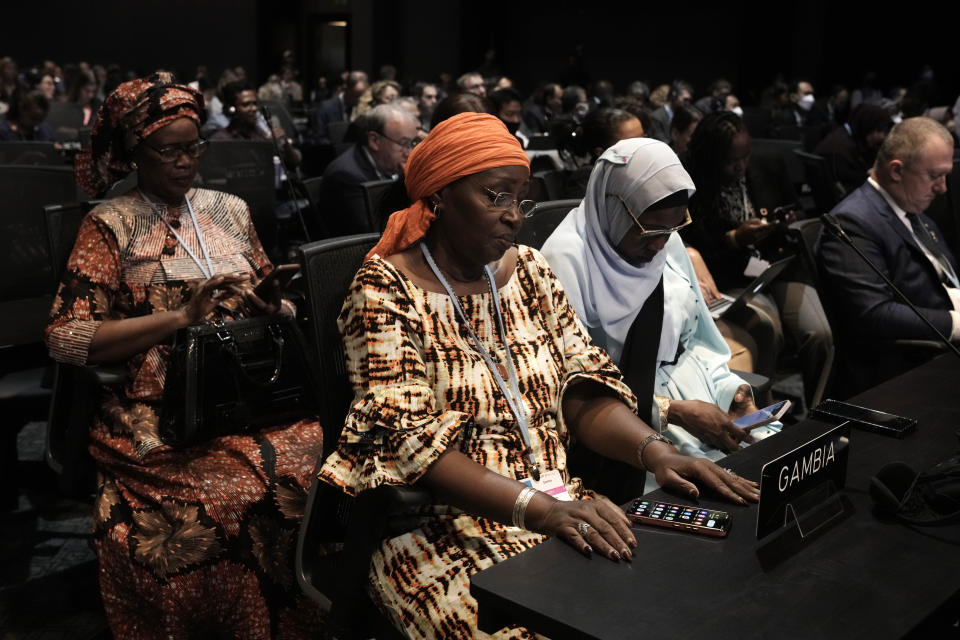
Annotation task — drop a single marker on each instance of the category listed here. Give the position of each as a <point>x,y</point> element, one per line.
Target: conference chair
<point>381,198</point>
<point>823,186</point>
<point>30,153</point>
<point>543,220</point>
<point>550,184</point>
<point>339,581</point>
<point>278,110</point>
<point>67,119</point>
<point>337,130</point>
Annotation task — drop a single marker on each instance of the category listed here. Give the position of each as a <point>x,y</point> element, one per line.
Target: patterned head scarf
<point>462,145</point>
<point>131,113</point>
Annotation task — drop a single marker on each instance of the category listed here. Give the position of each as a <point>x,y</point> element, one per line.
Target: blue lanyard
<point>208,272</point>
<point>511,390</point>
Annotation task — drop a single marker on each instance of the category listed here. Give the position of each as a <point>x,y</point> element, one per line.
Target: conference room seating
<point>378,196</point>
<point>543,220</point>
<point>30,153</point>
<point>826,191</point>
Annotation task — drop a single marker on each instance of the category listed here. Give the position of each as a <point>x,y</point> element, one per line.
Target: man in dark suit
<point>341,107</point>
<point>388,134</point>
<point>885,218</point>
<point>680,94</point>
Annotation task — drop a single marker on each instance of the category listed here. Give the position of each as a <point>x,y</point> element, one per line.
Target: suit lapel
<point>890,218</point>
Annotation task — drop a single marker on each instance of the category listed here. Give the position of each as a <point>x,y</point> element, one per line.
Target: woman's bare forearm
<point>117,340</point>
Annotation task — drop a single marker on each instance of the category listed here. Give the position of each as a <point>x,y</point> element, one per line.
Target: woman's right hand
<point>708,422</point>
<point>753,231</point>
<point>681,473</point>
<point>707,286</point>
<point>608,532</point>
<point>208,295</point>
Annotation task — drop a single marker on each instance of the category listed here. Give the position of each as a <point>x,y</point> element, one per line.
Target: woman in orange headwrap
<point>471,374</point>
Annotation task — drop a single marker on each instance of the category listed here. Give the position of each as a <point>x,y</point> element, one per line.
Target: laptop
<point>722,306</point>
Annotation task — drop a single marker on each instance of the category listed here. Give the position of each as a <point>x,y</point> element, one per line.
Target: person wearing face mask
<point>621,263</point>
<point>885,218</point>
<point>508,106</point>
<point>851,149</point>
<point>800,109</point>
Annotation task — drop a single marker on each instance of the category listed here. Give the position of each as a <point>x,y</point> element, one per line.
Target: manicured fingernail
<point>587,549</point>
<point>632,543</point>
<point>614,555</point>
<point>626,555</point>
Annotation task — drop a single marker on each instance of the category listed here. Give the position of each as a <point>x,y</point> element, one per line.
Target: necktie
<point>925,238</point>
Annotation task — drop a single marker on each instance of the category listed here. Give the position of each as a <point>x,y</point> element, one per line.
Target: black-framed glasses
<point>506,201</point>
<point>403,143</point>
<point>173,152</point>
<point>649,234</point>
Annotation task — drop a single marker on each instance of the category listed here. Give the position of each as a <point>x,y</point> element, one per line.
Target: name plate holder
<point>804,486</point>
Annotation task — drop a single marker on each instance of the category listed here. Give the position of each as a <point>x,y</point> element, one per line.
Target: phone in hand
<point>783,214</point>
<point>282,273</point>
<point>763,416</point>
<point>705,522</point>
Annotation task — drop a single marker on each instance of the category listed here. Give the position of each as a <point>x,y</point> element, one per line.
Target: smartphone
<point>887,424</point>
<point>282,273</point>
<point>705,522</point>
<point>764,416</point>
<point>779,214</point>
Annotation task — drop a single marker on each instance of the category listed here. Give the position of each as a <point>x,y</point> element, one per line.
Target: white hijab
<point>606,291</point>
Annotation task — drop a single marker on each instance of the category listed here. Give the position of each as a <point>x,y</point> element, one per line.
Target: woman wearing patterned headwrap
<point>471,373</point>
<point>199,540</point>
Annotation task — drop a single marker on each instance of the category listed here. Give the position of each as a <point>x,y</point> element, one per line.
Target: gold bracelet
<point>520,506</point>
<point>643,445</point>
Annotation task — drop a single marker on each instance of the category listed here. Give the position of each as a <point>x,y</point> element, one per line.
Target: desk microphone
<point>832,225</point>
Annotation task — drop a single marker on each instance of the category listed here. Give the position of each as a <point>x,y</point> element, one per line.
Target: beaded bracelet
<point>520,506</point>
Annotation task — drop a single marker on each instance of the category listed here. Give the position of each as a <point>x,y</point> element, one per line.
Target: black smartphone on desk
<point>887,424</point>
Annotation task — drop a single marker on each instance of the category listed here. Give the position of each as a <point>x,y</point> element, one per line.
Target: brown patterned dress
<point>420,387</point>
<point>198,541</point>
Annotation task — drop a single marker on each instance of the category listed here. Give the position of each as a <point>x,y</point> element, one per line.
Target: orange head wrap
<point>460,146</point>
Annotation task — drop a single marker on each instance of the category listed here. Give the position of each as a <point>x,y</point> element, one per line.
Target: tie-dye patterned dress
<point>196,542</point>
<point>420,388</point>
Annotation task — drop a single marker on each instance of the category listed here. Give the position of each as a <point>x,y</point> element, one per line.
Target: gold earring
<point>133,165</point>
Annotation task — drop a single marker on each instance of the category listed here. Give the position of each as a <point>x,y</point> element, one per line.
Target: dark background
<point>747,42</point>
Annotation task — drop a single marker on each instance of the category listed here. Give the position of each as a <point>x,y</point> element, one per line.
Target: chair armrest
<point>760,384</point>
<point>932,346</point>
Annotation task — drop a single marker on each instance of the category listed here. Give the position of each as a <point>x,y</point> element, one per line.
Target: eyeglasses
<point>402,143</point>
<point>173,152</point>
<point>650,234</point>
<point>506,201</point>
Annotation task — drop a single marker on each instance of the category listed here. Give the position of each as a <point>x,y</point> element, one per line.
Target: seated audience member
<point>341,107</point>
<point>26,118</point>
<point>542,108</point>
<point>82,93</point>
<point>885,218</point>
<point>380,92</point>
<point>621,238</point>
<point>637,109</point>
<point>246,123</point>
<point>444,309</point>
<point>639,91</point>
<point>732,103</point>
<point>714,101</point>
<point>684,123</point>
<point>837,108</point>
<point>601,94</point>
<point>799,110</point>
<point>601,129</point>
<point>730,229</point>
<point>387,135</point>
<point>680,93</point>
<point>195,541</point>
<point>43,81</point>
<point>458,103</point>
<point>574,105</point>
<point>508,106</point>
<point>8,82</point>
<point>472,82</point>
<point>850,150</point>
<point>425,94</point>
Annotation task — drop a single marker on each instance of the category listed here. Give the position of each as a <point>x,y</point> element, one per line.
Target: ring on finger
<point>730,471</point>
<point>215,292</point>
<point>583,528</point>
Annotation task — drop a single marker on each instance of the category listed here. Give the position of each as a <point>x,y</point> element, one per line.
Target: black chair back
<point>337,130</point>
<point>542,143</point>
<point>826,193</point>
<point>278,110</point>
<point>63,223</point>
<point>543,221</point>
<point>784,149</point>
<point>313,187</point>
<point>381,198</point>
<point>66,118</point>
<point>26,276</point>
<point>30,153</point>
<point>551,184</point>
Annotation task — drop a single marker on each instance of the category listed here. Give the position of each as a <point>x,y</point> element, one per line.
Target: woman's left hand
<point>678,472</point>
<point>259,306</point>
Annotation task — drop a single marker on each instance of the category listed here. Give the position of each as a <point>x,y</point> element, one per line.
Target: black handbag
<point>235,378</point>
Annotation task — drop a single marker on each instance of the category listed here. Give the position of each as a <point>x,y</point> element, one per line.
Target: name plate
<point>810,466</point>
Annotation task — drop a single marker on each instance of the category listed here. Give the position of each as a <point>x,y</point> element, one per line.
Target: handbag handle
<point>230,346</point>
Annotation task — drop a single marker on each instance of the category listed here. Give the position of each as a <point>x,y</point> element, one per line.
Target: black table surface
<point>861,577</point>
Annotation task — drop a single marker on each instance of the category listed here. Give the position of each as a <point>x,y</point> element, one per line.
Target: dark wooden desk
<point>862,577</point>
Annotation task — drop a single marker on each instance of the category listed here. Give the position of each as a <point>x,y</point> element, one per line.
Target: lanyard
<point>511,390</point>
<point>208,272</point>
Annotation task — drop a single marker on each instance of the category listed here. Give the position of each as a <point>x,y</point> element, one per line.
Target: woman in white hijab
<point>610,254</point>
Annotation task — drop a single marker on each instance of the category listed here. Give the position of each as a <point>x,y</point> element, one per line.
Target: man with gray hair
<point>885,218</point>
<point>387,134</point>
<point>472,82</point>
